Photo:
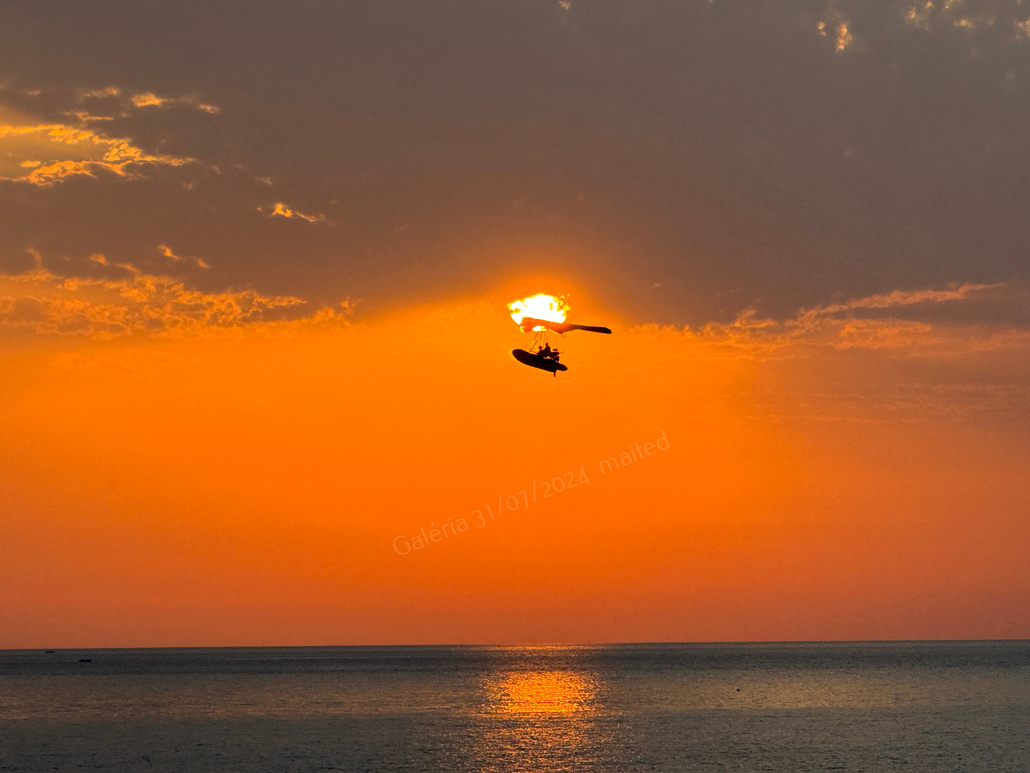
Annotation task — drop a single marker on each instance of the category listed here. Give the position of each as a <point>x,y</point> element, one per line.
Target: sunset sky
<point>255,260</point>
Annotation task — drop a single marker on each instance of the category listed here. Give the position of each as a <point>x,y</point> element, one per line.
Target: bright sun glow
<point>546,692</point>
<point>539,306</point>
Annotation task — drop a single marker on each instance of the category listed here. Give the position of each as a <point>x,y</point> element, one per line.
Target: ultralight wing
<point>528,323</point>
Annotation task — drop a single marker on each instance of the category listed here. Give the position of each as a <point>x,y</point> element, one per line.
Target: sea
<point>890,706</point>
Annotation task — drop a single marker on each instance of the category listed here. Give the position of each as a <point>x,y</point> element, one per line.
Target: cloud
<point>150,99</point>
<point>110,91</point>
<point>905,298</point>
<point>931,15</point>
<point>84,117</point>
<point>869,322</point>
<point>41,153</point>
<point>145,99</point>
<point>835,26</point>
<point>128,302</point>
<point>281,210</point>
<point>168,253</point>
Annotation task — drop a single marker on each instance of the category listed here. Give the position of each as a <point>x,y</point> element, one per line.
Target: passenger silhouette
<point>548,353</point>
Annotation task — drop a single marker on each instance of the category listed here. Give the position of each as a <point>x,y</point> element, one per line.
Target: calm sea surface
<point>951,706</point>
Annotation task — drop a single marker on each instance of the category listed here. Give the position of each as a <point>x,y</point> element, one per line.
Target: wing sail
<point>528,323</point>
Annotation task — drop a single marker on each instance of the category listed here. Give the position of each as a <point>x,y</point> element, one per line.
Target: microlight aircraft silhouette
<point>545,358</point>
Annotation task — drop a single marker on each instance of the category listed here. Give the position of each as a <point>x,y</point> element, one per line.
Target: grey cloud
<point>683,160</point>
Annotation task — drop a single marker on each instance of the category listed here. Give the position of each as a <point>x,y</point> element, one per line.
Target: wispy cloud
<point>144,99</point>
<point>904,298</point>
<point>129,302</point>
<point>281,210</point>
<point>150,99</point>
<point>105,93</point>
<point>836,27</point>
<point>941,14</point>
<point>165,250</point>
<point>839,326</point>
<point>44,153</point>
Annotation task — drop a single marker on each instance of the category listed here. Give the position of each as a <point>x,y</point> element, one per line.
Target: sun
<point>540,306</point>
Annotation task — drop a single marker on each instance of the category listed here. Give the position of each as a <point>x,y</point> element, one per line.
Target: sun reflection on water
<point>541,692</point>
<point>539,715</point>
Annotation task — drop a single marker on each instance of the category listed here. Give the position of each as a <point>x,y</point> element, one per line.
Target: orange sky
<point>253,328</point>
<point>250,487</point>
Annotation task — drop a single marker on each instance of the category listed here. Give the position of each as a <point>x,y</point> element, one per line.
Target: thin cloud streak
<point>43,154</point>
<point>283,211</point>
<point>834,326</point>
<point>131,302</point>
